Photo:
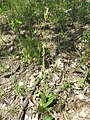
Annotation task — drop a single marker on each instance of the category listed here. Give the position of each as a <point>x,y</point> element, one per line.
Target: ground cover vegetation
<point>44,59</point>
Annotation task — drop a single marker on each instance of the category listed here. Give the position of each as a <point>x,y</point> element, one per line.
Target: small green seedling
<point>46,101</point>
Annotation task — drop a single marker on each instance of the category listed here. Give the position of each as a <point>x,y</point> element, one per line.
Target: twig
<point>22,111</point>
<point>24,108</point>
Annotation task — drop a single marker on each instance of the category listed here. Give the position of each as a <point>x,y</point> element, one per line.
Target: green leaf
<point>80,80</point>
<point>48,117</point>
<point>43,98</point>
<point>40,108</point>
<point>49,101</point>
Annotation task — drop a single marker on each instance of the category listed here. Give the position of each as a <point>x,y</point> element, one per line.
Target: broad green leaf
<point>49,101</point>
